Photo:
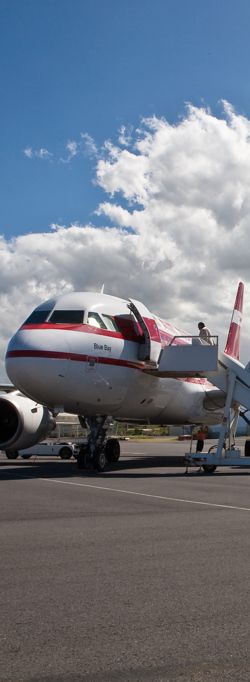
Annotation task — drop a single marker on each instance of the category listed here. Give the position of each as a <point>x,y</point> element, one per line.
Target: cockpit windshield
<point>38,317</point>
<point>96,321</point>
<point>41,313</point>
<point>67,317</point>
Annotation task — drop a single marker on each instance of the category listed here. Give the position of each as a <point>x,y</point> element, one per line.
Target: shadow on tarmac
<point>19,469</point>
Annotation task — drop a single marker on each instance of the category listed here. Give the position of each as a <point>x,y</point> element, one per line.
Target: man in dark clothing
<point>201,435</point>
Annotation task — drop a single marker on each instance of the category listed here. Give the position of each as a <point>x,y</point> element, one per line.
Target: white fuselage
<point>91,366</point>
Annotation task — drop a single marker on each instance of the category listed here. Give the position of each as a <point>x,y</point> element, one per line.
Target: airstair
<point>187,356</point>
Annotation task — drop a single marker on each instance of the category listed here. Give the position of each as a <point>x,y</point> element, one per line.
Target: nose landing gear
<point>98,450</point>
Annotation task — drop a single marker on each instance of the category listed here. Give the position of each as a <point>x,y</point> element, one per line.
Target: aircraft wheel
<point>26,456</point>
<point>247,448</point>
<point>12,455</point>
<point>209,468</point>
<point>81,461</point>
<point>81,458</point>
<point>65,453</point>
<point>112,450</point>
<point>100,461</point>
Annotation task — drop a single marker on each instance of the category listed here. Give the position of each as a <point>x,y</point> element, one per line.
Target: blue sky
<point>78,79</point>
<point>87,66</point>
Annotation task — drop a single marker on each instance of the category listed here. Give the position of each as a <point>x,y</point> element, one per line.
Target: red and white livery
<point>96,355</point>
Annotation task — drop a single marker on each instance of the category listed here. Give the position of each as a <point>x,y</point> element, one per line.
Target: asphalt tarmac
<point>138,574</point>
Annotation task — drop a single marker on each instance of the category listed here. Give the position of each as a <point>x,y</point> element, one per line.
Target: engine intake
<point>22,422</point>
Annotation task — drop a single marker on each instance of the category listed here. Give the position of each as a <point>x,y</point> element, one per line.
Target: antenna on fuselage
<point>102,289</point>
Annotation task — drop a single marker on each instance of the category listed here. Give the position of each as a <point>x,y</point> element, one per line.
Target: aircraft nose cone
<point>30,361</point>
<point>20,346</point>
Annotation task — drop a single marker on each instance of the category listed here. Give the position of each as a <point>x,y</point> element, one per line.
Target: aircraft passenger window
<point>96,321</point>
<point>67,317</point>
<point>38,317</point>
<point>110,322</point>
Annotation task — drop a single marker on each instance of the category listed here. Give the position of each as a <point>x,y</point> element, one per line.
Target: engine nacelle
<point>23,422</point>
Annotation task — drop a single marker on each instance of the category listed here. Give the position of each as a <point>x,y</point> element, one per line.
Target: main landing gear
<point>99,449</point>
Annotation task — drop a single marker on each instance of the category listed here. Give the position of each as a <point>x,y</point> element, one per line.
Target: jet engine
<point>22,422</point>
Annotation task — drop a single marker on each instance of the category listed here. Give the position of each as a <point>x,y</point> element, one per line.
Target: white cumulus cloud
<point>176,225</point>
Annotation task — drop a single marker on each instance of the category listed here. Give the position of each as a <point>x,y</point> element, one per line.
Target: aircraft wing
<point>7,388</point>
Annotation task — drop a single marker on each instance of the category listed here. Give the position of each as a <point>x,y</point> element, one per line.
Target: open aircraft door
<point>150,350</point>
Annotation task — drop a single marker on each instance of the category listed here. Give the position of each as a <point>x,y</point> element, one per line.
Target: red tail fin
<point>233,340</point>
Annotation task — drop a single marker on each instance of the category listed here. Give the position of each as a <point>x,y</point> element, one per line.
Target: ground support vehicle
<point>46,449</point>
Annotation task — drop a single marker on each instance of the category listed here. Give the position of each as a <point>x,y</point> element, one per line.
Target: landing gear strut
<point>98,450</point>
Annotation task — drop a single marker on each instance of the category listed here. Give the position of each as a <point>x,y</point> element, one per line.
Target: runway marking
<point>155,497</point>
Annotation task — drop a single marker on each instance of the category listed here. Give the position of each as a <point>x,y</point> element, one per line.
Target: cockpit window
<point>67,317</point>
<point>96,321</point>
<point>110,323</point>
<point>37,317</point>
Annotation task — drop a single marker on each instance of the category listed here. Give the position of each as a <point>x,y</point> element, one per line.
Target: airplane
<point>99,357</point>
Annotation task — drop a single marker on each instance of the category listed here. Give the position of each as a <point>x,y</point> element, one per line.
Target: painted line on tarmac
<point>154,497</point>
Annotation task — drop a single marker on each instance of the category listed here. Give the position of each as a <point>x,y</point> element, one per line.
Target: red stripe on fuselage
<point>76,357</point>
<point>127,332</point>
<point>79,357</point>
<point>85,328</point>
